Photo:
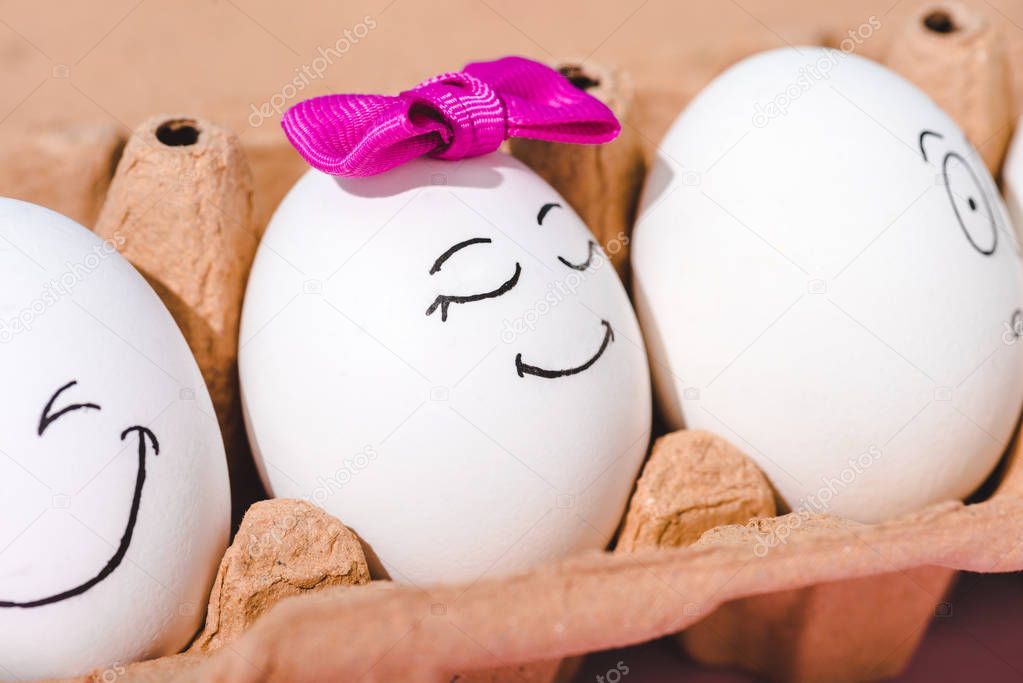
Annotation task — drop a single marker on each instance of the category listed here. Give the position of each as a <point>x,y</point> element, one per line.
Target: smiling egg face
<point>443,358</point>
<point>826,276</point>
<point>115,505</point>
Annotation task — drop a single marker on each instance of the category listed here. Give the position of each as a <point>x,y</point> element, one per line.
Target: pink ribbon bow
<point>451,116</point>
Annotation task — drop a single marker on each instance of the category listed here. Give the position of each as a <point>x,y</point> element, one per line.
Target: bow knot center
<point>474,115</point>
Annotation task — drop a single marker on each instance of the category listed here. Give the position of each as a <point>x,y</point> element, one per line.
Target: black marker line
<point>585,264</point>
<point>46,419</point>
<point>444,300</point>
<point>924,134</point>
<point>955,207</point>
<point>122,549</point>
<point>523,369</point>
<point>544,210</point>
<point>461,245</point>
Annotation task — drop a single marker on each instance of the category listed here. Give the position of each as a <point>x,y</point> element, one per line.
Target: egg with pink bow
<point>443,357</point>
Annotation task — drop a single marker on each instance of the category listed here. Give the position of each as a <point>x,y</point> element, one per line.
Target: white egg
<point>115,507</point>
<point>826,276</point>
<point>1012,178</point>
<point>442,357</point>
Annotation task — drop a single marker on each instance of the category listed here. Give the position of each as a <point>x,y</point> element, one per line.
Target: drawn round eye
<point>970,203</point>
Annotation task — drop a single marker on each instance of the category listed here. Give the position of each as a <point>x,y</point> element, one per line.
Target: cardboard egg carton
<point>828,600</point>
<point>701,552</point>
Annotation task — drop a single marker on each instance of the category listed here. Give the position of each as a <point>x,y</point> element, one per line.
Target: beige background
<point>118,61</point>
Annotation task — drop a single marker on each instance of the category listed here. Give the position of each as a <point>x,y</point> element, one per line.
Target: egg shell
<point>1012,179</point>
<point>827,277</point>
<point>100,565</point>
<point>439,441</point>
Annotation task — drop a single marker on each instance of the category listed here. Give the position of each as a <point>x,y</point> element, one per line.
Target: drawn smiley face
<point>116,508</point>
<point>468,326</point>
<point>444,301</point>
<point>147,441</point>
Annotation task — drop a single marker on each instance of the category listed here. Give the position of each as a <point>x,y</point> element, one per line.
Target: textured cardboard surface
<point>692,482</point>
<point>958,57</point>
<point>860,629</point>
<point>65,167</point>
<point>598,601</point>
<point>282,548</point>
<point>181,203</point>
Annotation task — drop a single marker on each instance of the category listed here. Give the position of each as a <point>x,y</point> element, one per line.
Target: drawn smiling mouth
<point>592,247</point>
<point>525,369</point>
<point>122,548</point>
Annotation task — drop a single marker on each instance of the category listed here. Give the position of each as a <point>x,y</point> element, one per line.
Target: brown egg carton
<point>952,52</point>
<point>701,552</point>
<point>829,600</point>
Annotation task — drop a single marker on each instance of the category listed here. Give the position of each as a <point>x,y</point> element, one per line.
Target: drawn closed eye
<point>591,248</point>
<point>445,300</point>
<point>47,418</point>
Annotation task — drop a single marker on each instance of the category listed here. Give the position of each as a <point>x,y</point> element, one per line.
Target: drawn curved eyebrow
<point>544,210</point>
<point>46,419</point>
<point>923,135</point>
<point>451,250</point>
